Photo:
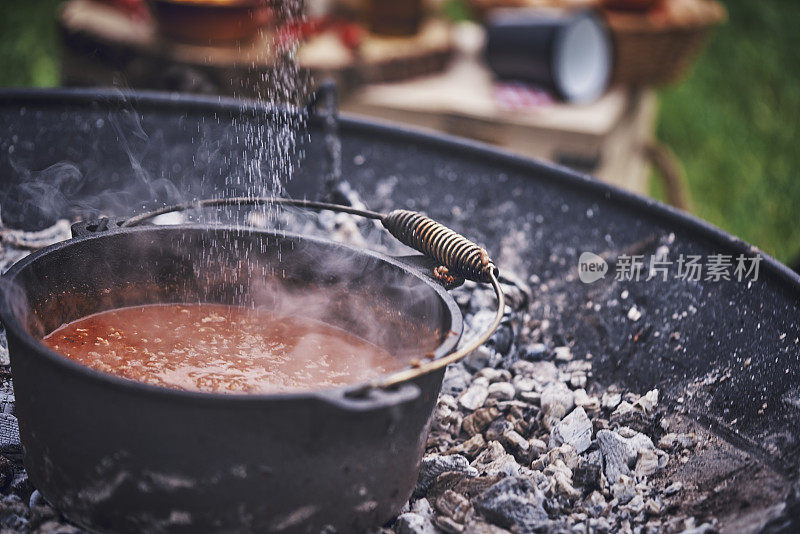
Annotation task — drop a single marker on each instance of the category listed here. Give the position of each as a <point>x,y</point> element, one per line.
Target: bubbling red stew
<point>219,348</point>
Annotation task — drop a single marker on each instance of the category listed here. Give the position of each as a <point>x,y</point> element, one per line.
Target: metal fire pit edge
<point>723,355</point>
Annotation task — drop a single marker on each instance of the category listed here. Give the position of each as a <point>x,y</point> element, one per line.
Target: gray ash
<point>523,440</point>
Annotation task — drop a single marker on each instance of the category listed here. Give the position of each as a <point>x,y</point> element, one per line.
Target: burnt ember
<point>523,440</point>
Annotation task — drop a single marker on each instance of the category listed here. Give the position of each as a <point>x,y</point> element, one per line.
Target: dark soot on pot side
<point>220,348</point>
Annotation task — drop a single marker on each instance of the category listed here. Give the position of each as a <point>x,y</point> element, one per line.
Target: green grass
<point>732,122</point>
<point>733,125</point>
<point>28,43</point>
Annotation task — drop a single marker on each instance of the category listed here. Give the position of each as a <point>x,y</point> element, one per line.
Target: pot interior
<point>359,292</point>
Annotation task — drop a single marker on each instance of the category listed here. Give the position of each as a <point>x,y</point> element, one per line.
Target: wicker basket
<point>649,52</point>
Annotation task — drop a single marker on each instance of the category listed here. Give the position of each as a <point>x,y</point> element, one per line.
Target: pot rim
<point>9,319</point>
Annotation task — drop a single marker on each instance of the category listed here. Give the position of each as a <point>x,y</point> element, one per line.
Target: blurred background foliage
<point>28,43</point>
<point>732,122</point>
<point>733,125</point>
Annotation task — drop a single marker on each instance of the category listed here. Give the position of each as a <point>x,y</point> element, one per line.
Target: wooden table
<point>605,138</point>
<point>103,46</point>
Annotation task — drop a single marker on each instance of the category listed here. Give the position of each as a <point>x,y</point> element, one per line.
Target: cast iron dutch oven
<point>117,455</point>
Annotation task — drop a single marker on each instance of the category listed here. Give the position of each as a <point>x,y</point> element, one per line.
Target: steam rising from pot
<point>287,277</point>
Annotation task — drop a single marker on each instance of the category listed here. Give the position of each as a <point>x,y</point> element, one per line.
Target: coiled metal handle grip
<point>461,256</point>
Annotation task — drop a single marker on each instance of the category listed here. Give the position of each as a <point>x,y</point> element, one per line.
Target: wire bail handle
<point>458,258</point>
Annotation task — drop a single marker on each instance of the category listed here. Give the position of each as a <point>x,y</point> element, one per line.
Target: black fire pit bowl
<point>724,355</point>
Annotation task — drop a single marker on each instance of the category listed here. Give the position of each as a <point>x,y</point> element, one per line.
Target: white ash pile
<point>523,441</point>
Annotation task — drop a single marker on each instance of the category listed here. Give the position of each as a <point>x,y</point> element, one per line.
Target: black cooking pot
<point>118,455</point>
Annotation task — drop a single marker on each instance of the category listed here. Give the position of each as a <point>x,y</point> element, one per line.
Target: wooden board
<point>103,45</point>
<point>603,138</point>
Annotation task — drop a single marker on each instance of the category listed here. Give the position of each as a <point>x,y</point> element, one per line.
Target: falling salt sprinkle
<point>634,314</point>
<point>271,148</point>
